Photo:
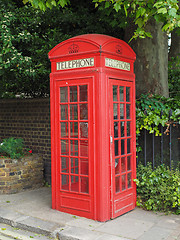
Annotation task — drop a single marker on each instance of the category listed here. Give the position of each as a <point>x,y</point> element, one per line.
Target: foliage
<point>27,35</point>
<point>21,71</point>
<point>12,147</point>
<point>159,189</point>
<point>154,110</point>
<point>174,77</point>
<point>140,11</point>
<point>44,4</point>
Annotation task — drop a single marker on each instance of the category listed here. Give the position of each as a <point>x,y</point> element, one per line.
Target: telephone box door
<point>121,147</point>
<point>74,179</point>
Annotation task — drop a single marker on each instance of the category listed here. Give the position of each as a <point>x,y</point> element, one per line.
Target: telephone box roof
<point>89,43</point>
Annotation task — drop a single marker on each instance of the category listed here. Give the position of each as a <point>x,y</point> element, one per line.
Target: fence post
<point>145,112</point>
<point>162,140</point>
<point>153,148</point>
<point>170,138</point>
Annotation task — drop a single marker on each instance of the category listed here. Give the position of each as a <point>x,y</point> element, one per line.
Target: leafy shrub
<point>158,189</point>
<point>13,148</point>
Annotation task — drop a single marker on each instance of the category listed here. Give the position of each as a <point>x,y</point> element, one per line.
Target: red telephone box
<point>92,86</point>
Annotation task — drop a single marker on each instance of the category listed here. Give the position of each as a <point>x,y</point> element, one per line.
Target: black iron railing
<point>164,149</point>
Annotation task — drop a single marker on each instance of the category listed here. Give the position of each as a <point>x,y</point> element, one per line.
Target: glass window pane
<point>83,130</point>
<point>127,94</point>
<point>117,171</point>
<point>128,145</point>
<point>73,179</point>
<point>129,163</point>
<point>128,111</point>
<point>64,112</point>
<point>123,182</point>
<point>65,164</point>
<point>121,111</point>
<point>117,184</point>
<point>83,112</point>
<point>122,147</point>
<point>128,129</point>
<point>63,94</point>
<point>73,112</point>
<point>74,147</point>
<point>115,108</point>
<point>114,93</point>
<point>74,165</point>
<point>121,93</point>
<point>64,182</point>
<point>122,129</point>
<point>74,183</point>
<point>84,166</point>
<point>129,180</point>
<point>64,129</point>
<point>116,131</point>
<point>64,147</point>
<point>74,129</point>
<point>84,185</point>
<point>116,147</point>
<point>73,94</point>
<point>83,148</point>
<point>83,93</point>
<point>123,164</point>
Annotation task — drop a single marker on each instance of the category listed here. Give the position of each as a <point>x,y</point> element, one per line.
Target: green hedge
<point>158,189</point>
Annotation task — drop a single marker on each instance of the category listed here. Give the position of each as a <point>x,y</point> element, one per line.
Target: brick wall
<point>20,174</point>
<point>28,119</point>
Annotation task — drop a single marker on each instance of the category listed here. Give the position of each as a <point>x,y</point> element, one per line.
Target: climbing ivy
<point>153,111</point>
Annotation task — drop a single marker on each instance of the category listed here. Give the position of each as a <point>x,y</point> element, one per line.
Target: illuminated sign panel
<point>79,63</point>
<point>117,64</point>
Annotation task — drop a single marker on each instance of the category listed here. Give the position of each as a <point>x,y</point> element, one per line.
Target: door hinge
<point>111,139</point>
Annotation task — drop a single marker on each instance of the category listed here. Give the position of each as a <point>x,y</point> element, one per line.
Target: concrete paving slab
<point>51,215</point>
<point>111,237</point>
<point>37,225</point>
<point>156,233</point>
<point>85,223</point>
<point>174,237</point>
<point>8,214</point>
<point>75,233</point>
<point>7,233</point>
<point>34,203</point>
<point>141,214</point>
<point>128,228</point>
<point>41,196</point>
<point>168,223</point>
<point>173,217</point>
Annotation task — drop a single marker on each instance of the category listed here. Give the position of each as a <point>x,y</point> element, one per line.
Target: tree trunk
<point>175,45</point>
<point>151,66</point>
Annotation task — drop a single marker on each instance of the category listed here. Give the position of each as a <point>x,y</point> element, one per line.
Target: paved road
<point>8,233</point>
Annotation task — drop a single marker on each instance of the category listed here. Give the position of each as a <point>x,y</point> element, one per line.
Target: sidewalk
<point>31,210</point>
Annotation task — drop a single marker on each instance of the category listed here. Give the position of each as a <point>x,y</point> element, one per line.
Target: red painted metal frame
<point>99,203</point>
<point>124,200</point>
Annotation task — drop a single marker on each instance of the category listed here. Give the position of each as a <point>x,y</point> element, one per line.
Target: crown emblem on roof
<point>118,49</point>
<point>74,48</point>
